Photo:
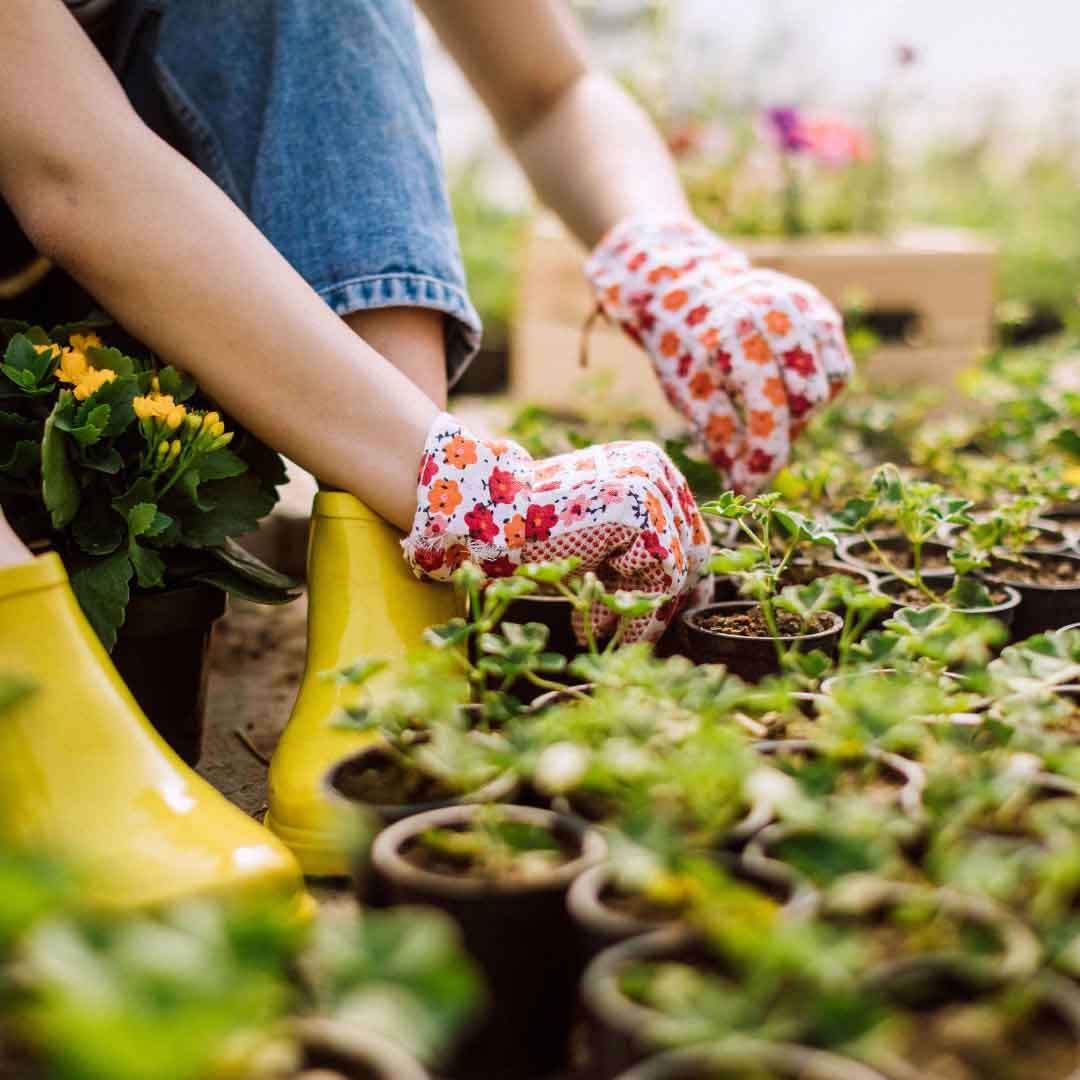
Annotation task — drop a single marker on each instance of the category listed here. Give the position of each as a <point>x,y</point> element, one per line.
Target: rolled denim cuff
<point>404,289</point>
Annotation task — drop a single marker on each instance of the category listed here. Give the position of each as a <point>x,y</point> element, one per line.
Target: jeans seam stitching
<point>198,127</point>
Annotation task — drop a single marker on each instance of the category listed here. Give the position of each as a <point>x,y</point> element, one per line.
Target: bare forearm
<point>173,259</point>
<point>595,158</point>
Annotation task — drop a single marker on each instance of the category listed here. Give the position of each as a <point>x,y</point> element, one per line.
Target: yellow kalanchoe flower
<point>155,406</point>
<point>93,381</point>
<point>74,367</point>
<point>82,342</point>
<point>52,349</point>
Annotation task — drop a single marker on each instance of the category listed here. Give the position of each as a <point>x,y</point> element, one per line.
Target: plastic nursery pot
<point>555,613</point>
<point>861,900</point>
<point>355,1053</point>
<point>519,933</point>
<point>802,572</point>
<point>1043,605</point>
<point>161,653</point>
<point>620,1031</point>
<point>1066,517</point>
<point>1043,1042</point>
<point>858,552</point>
<point>1006,611</point>
<point>602,921</point>
<point>345,788</point>
<point>881,678</point>
<point>751,658</point>
<point>735,1060</point>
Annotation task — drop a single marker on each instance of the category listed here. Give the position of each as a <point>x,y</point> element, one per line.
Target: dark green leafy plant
<point>125,471</point>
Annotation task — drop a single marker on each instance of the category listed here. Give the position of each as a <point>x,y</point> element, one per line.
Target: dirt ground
<point>256,660</point>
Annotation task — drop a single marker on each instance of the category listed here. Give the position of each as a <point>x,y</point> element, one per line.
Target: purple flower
<point>786,123</point>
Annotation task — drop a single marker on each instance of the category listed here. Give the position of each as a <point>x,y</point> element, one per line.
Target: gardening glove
<point>745,355</point>
<point>623,509</point>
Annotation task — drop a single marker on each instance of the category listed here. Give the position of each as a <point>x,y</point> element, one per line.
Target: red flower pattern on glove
<point>623,509</point>
<point>745,355</point>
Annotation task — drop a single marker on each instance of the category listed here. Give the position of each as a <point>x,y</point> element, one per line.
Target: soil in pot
<point>799,572</point>
<point>965,1036</point>
<point>736,634</point>
<point>897,550</point>
<point>508,894</point>
<point>1049,587</point>
<point>1005,607</point>
<point>161,654</point>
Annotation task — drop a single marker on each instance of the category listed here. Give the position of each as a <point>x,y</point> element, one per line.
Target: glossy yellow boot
<point>83,774</point>
<point>363,601</point>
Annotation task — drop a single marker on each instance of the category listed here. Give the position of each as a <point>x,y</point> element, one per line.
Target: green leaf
<point>16,421</point>
<point>234,506</point>
<point>141,517</point>
<point>91,425</point>
<point>149,566</point>
<point>968,593</point>
<point>21,356</point>
<point>112,358</point>
<point>98,529</point>
<point>180,385</point>
<point>59,486</point>
<point>24,461</point>
<point>118,395</point>
<point>1068,441</point>
<point>102,589</point>
<point>96,320</point>
<point>101,458</point>
<point>228,580</point>
<point>242,562</point>
<point>220,465</point>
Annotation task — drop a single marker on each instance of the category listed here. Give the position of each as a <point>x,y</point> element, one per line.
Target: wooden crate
<point>944,277</point>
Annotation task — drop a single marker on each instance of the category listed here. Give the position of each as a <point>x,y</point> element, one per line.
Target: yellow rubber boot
<point>363,601</point>
<point>83,773</point>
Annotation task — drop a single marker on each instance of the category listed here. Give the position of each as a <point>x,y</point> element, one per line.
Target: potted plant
<point>730,1059</point>
<point>752,637</point>
<point>502,872</point>
<point>134,480</point>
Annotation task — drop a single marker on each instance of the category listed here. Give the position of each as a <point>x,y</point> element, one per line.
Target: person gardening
<point>254,191</point>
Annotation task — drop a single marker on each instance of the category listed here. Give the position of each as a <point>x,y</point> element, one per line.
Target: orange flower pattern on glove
<point>745,355</point>
<point>623,509</point>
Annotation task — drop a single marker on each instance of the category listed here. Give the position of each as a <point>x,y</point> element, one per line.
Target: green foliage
<point>128,502</point>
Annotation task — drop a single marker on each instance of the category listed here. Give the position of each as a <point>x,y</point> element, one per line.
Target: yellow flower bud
<point>155,386</point>
<point>175,417</point>
<point>174,450</point>
<point>218,429</point>
<point>193,422</point>
<point>210,419</point>
<point>163,448</point>
<point>144,408</point>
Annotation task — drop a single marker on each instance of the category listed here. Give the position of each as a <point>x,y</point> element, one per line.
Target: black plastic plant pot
<point>343,1049</point>
<point>520,934</point>
<point>555,613</point>
<point>738,1059</point>
<point>1043,1041</point>
<point>862,901</point>
<point>751,658</point>
<point>725,587</point>
<point>601,923</point>
<point>620,1031</point>
<point>161,653</point>
<point>1005,612</point>
<point>340,789</point>
<point>896,548</point>
<point>1042,607</point>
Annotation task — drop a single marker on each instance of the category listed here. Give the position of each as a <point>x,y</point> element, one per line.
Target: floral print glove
<point>745,355</point>
<point>623,509</point>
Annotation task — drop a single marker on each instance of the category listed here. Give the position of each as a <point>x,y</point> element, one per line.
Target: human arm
<point>589,150</point>
<point>173,259</point>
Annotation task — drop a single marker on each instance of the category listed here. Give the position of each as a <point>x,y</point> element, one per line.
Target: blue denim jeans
<point>313,116</point>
